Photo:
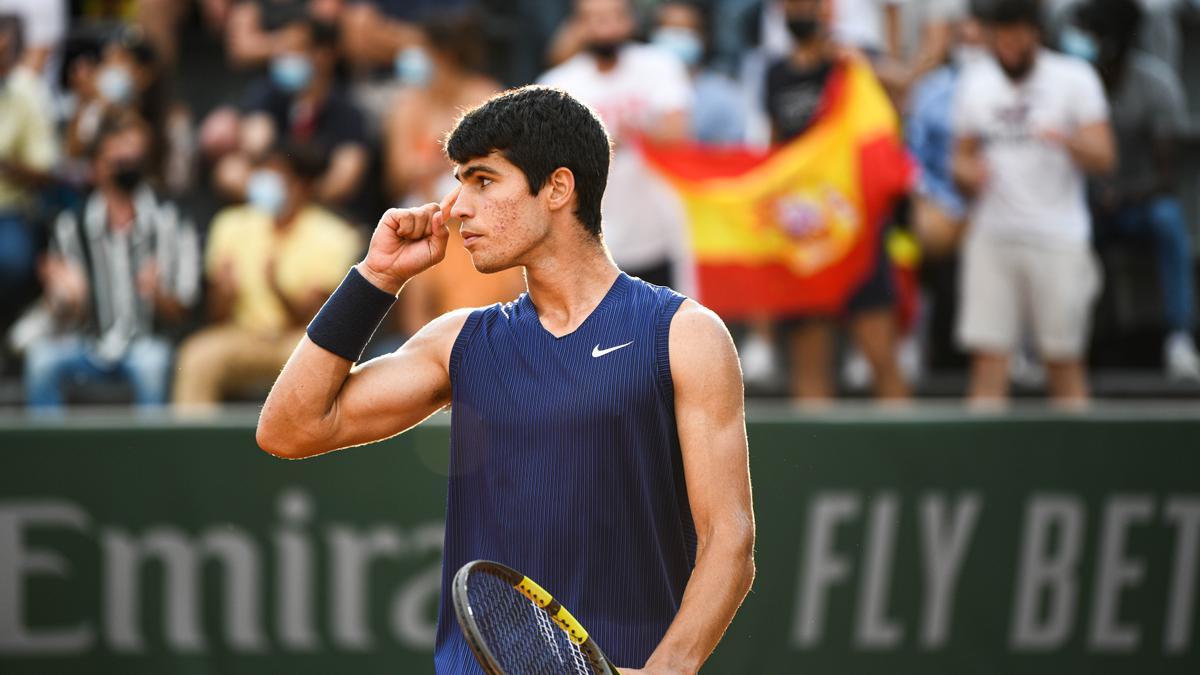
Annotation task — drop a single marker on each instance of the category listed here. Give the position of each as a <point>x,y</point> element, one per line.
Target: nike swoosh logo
<point>597,352</point>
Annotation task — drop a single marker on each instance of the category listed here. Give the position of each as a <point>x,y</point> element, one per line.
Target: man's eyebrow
<point>474,169</point>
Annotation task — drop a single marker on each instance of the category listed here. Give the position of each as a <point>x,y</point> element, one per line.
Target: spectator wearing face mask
<point>130,77</point>
<point>439,79</point>
<point>118,270</point>
<point>795,90</point>
<point>1031,124</point>
<point>639,92</point>
<point>302,102</point>
<point>269,264</point>
<point>1139,200</point>
<point>718,112</point>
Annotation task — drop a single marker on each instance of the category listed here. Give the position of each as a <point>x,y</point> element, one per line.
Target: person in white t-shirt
<point>1030,124</point>
<point>638,91</point>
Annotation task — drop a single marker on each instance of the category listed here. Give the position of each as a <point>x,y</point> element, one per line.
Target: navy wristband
<point>350,316</point>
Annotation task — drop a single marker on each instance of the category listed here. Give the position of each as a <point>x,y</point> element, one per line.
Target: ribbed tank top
<point>565,465</point>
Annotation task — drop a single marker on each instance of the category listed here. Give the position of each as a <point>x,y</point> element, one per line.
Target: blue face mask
<point>291,72</point>
<point>413,67</point>
<point>115,84</point>
<point>681,42</point>
<point>1079,44</point>
<point>266,191</point>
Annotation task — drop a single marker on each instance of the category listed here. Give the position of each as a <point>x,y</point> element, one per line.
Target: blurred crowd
<point>183,183</point>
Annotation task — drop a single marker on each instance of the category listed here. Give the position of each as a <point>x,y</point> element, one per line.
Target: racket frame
<point>559,616</point>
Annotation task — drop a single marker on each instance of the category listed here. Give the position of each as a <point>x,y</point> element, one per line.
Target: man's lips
<point>469,237</point>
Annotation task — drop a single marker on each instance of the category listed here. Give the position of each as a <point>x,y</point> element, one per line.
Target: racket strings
<point>519,633</point>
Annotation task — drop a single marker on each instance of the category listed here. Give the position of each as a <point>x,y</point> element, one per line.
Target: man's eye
<point>484,181</point>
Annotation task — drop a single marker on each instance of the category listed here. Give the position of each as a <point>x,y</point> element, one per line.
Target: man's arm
<point>322,402</point>
<point>1091,147</point>
<point>710,415</point>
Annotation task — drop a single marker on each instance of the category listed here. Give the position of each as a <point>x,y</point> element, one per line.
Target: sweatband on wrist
<point>350,316</point>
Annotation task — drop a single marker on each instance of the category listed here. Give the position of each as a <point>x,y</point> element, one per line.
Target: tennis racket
<point>514,627</point>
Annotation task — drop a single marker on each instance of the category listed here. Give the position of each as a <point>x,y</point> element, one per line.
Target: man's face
<point>605,21</point>
<point>806,18</point>
<point>501,220</point>
<point>1015,47</point>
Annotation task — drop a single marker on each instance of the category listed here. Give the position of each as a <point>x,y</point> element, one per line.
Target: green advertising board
<point>891,543</point>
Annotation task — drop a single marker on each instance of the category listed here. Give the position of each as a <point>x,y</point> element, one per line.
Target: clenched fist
<point>407,242</point>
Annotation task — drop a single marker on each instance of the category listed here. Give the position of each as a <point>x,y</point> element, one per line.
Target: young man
<point>120,268</point>
<point>1030,125</point>
<point>598,440</point>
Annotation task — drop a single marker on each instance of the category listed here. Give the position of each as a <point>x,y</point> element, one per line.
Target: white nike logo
<point>597,352</point>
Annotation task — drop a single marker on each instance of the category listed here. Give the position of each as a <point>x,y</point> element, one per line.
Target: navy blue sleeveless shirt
<point>565,465</point>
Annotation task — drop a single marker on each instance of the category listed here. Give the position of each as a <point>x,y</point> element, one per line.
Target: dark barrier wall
<point>943,545</point>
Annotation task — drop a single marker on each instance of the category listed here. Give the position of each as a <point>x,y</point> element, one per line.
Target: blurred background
<point>182,184</point>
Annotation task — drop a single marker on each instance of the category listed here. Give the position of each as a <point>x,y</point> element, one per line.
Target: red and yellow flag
<point>796,229</point>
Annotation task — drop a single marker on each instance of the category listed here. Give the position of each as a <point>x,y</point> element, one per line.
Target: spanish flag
<point>793,230</point>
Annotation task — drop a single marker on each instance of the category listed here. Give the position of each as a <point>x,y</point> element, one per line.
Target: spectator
<point>939,212</point>
<point>117,267</point>
<point>440,79</point>
<point>795,88</point>
<point>133,77</point>
<point>1031,124</point>
<point>302,102</point>
<point>28,151</point>
<point>718,114</point>
<point>1140,199</point>
<point>639,92</point>
<point>269,265</point>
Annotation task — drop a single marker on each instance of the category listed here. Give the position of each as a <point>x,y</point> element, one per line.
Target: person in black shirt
<point>301,102</point>
<point>796,91</point>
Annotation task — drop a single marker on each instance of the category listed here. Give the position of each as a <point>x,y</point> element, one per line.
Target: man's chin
<point>485,266</point>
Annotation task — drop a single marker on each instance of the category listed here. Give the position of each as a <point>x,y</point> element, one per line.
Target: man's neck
<point>119,209</point>
<point>287,217</point>
<point>566,286</point>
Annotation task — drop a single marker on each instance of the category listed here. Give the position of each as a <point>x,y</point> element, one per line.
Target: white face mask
<point>266,191</point>
<point>115,84</point>
<point>413,67</point>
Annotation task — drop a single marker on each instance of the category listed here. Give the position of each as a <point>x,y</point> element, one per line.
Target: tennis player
<point>597,441</point>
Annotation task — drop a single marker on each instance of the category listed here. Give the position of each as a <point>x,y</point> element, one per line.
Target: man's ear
<point>560,187</point>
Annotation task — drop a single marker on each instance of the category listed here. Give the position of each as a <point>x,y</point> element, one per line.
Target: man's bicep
<point>710,417</point>
<point>392,393</point>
